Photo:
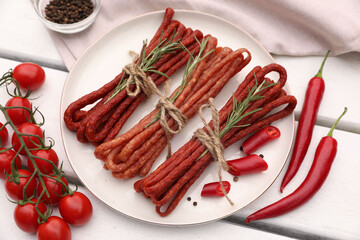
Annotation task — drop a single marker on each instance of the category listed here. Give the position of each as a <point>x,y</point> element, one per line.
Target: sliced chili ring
<point>260,138</point>
<point>247,165</point>
<point>213,189</point>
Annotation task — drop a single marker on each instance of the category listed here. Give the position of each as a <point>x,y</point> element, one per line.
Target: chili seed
<point>68,11</point>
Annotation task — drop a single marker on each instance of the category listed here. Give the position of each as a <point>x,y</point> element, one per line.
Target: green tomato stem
<point>26,186</point>
<point>23,146</point>
<point>41,216</point>
<point>58,179</point>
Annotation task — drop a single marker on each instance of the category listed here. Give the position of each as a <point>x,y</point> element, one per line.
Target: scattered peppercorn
<point>241,148</point>
<point>68,11</point>
<point>262,156</point>
<point>189,198</point>
<point>194,203</point>
<point>236,179</point>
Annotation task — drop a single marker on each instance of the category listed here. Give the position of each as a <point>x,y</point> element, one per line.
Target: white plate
<point>104,59</point>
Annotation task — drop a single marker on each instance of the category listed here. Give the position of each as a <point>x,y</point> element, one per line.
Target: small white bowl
<point>40,5</point>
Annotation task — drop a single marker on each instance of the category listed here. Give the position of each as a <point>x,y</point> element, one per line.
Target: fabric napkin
<point>283,27</point>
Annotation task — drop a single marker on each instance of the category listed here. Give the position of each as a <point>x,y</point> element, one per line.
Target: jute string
<point>211,140</point>
<point>137,77</point>
<point>144,83</point>
<point>166,106</point>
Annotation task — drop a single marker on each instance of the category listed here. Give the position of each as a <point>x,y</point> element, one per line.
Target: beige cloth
<point>286,27</point>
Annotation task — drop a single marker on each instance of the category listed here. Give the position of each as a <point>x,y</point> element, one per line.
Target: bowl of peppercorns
<point>67,16</point>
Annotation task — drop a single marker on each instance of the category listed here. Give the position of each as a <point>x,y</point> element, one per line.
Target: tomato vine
<point>29,140</point>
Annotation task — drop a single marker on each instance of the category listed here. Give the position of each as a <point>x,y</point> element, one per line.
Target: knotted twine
<point>144,83</point>
<point>211,140</point>
<point>138,77</point>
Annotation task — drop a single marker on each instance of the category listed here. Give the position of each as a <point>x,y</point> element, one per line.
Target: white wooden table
<point>334,212</point>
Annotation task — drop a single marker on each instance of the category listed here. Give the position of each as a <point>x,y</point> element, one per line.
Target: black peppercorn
<point>68,11</point>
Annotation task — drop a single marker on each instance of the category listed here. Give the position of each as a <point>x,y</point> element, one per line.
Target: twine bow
<point>142,82</point>
<point>166,106</point>
<point>138,77</point>
<point>211,140</point>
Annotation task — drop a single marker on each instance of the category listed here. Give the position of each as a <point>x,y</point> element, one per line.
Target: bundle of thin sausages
<point>171,180</point>
<point>134,152</point>
<point>106,118</point>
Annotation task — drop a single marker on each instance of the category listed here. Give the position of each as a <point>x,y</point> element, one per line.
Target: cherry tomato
<point>26,216</point>
<point>29,76</point>
<point>28,128</point>
<point>5,161</point>
<point>15,191</point>
<point>75,209</point>
<point>55,228</point>
<point>44,166</point>
<point>18,115</point>
<point>56,190</point>
<point>4,135</point>
<point>213,189</point>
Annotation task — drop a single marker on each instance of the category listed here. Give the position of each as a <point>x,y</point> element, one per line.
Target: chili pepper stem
<point>336,122</point>
<point>319,73</point>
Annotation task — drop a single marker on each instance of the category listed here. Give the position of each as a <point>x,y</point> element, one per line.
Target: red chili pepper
<point>313,97</point>
<point>260,138</point>
<point>247,165</point>
<point>214,189</point>
<point>324,157</point>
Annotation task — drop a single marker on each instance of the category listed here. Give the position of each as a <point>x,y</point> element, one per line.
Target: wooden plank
<point>340,175</point>
<point>48,100</point>
<point>342,86</point>
<point>109,224</point>
<point>339,72</point>
<point>24,37</point>
<point>334,211</point>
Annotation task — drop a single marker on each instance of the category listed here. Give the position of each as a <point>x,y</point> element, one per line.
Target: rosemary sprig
<point>190,66</point>
<point>237,114</point>
<point>146,63</point>
<point>239,107</point>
